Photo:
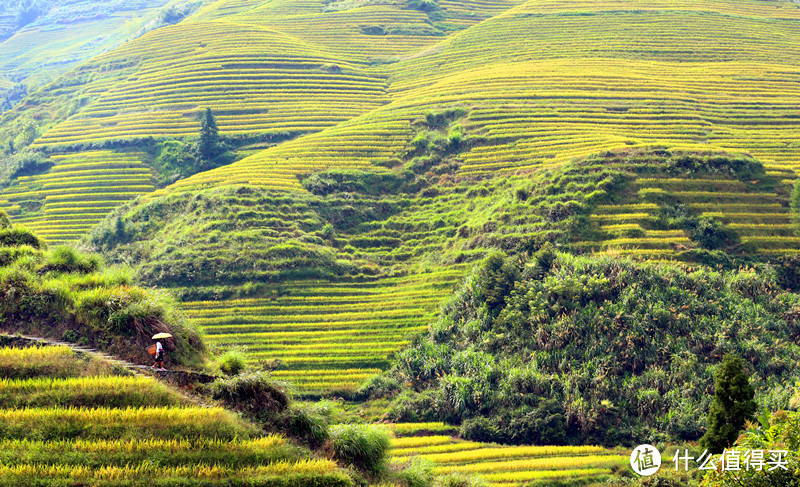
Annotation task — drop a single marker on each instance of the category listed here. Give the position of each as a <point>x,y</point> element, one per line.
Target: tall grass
<point>365,446</point>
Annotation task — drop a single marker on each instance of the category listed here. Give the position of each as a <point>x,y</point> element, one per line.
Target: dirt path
<point>180,378</point>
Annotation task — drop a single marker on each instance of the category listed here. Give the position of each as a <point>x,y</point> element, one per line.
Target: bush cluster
<point>565,349</point>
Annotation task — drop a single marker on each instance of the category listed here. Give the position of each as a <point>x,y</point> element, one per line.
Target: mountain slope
<point>425,138</point>
<point>46,39</point>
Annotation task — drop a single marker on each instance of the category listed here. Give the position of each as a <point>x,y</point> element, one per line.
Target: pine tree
<point>209,145</point>
<point>732,407</point>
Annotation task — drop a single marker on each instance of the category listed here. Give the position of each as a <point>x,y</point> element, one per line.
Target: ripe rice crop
<point>149,470</point>
<point>129,423</point>
<point>524,476</point>
<point>544,452</point>
<point>86,392</point>
<point>22,363</point>
<point>503,465</point>
<point>79,191</point>
<point>326,343</point>
<point>166,452</point>
<point>529,465</point>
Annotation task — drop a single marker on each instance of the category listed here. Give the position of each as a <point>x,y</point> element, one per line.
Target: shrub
<point>419,473</point>
<point>711,234</point>
<point>16,236</point>
<point>255,394</point>
<point>307,426</point>
<point>378,386</point>
<point>480,429</point>
<point>232,362</point>
<point>460,480</point>
<point>66,259</point>
<point>363,446</point>
<point>543,425</point>
<point>70,336</point>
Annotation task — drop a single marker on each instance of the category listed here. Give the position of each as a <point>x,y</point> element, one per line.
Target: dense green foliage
<point>563,349</point>
<point>20,164</point>
<point>64,293</point>
<point>178,159</point>
<point>733,405</point>
<point>777,431</point>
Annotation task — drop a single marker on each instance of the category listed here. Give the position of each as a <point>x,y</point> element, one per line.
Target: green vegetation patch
<point>65,294</point>
<point>558,349</point>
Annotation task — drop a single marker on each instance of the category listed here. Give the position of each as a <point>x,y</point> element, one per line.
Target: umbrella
<point>161,335</point>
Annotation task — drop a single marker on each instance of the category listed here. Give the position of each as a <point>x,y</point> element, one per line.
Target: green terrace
<point>77,192</point>
<point>75,421</point>
<point>330,336</point>
<point>504,466</point>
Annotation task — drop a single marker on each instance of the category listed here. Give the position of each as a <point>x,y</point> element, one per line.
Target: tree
<point>732,407</point>
<point>209,144</point>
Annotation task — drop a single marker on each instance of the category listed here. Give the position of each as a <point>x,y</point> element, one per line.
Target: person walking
<point>159,356</point>
<point>158,350</point>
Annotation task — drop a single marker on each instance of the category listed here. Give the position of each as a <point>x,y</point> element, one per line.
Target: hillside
<point>72,420</point>
<point>334,281</point>
<point>66,295</point>
<point>558,349</point>
<point>40,40</point>
<point>505,222</point>
<point>401,115</point>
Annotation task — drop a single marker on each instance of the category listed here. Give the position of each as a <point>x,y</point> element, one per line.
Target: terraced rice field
<point>540,114</point>
<point>346,32</point>
<point>42,52</point>
<point>330,336</point>
<point>544,82</point>
<point>263,67</point>
<point>760,217</point>
<point>143,443</point>
<point>79,190</point>
<point>285,86</point>
<point>504,466</point>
